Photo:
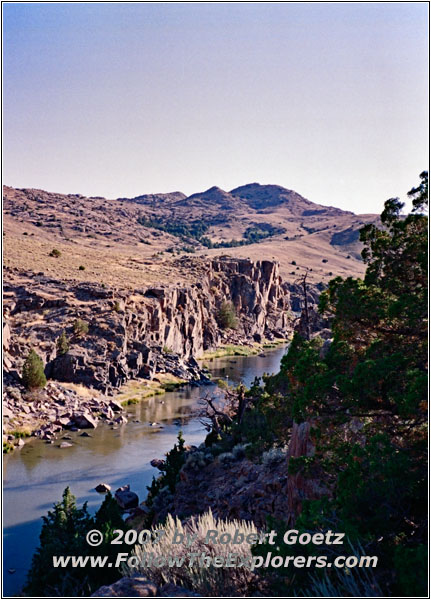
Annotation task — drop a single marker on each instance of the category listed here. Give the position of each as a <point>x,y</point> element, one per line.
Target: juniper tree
<point>33,375</point>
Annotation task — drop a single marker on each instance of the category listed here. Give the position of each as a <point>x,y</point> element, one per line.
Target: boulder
<point>125,498</point>
<point>102,488</point>
<point>65,445</point>
<point>139,587</point>
<point>128,587</point>
<point>121,420</point>
<point>115,406</point>
<point>84,420</point>
<point>157,463</point>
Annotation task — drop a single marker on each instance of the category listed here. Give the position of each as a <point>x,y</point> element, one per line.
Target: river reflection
<point>36,475</point>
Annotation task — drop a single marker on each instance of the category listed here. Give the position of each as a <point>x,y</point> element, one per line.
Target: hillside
<point>136,241</point>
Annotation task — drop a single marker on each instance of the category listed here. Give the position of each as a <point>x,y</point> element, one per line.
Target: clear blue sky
<point>330,100</point>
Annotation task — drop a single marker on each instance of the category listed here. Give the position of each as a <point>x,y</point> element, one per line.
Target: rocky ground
<point>235,487</point>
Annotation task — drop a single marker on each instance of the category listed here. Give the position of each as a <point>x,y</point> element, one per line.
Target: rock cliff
<point>117,334</point>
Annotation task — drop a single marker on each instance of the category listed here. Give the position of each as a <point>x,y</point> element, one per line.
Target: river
<point>36,475</point>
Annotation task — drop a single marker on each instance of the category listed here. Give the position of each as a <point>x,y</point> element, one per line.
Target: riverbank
<point>134,391</point>
<point>242,350</point>
<point>63,406</point>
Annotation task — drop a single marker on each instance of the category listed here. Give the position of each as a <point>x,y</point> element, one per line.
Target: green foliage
<point>55,253</point>
<point>116,306</point>
<point>366,396</point>
<point>33,375</point>
<point>62,343</point>
<point>63,533</point>
<point>197,229</point>
<point>80,327</point>
<point>7,447</point>
<point>20,434</point>
<point>226,316</point>
<point>175,459</point>
<point>81,268</point>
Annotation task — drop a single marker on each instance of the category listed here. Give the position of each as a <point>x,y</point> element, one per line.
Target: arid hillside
<point>128,242</point>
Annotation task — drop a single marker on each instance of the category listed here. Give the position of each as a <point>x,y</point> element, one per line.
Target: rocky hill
<point>134,241</point>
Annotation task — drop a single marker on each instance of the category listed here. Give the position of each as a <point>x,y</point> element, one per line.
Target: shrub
<point>116,307</point>
<point>238,451</point>
<point>33,375</point>
<point>7,447</point>
<point>55,253</point>
<point>80,327</point>
<point>62,343</point>
<point>211,581</point>
<point>226,316</point>
<point>274,456</point>
<point>226,458</point>
<point>81,268</point>
<point>294,262</point>
<point>198,460</point>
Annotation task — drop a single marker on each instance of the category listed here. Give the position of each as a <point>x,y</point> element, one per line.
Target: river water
<point>36,475</point>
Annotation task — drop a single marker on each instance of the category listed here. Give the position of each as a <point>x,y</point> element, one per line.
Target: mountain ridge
<point>135,240</point>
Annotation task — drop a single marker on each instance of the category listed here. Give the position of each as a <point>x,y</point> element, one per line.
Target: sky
<point>118,99</point>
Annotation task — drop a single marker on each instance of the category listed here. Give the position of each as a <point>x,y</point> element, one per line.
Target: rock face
<point>139,333</point>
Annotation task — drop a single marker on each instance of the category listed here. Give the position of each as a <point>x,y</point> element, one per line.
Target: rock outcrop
<point>239,488</point>
<point>137,334</point>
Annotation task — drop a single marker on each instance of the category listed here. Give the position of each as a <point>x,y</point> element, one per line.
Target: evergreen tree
<point>226,316</point>
<point>366,397</point>
<point>62,343</point>
<point>33,375</point>
<point>64,533</point>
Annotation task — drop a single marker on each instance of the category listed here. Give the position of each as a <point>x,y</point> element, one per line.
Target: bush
<point>226,316</point>
<point>81,268</point>
<point>7,447</point>
<point>62,343</point>
<point>274,456</point>
<point>80,327</point>
<point>33,375</point>
<point>211,581</point>
<point>55,253</point>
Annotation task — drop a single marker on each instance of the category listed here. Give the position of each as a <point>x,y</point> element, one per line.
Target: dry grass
<point>233,350</point>
<point>81,390</point>
<point>134,391</point>
<point>207,581</point>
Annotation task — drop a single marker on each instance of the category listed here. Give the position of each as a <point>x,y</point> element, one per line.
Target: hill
<point>134,241</point>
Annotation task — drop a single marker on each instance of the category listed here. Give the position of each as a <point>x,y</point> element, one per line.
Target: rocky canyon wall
<point>141,332</point>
